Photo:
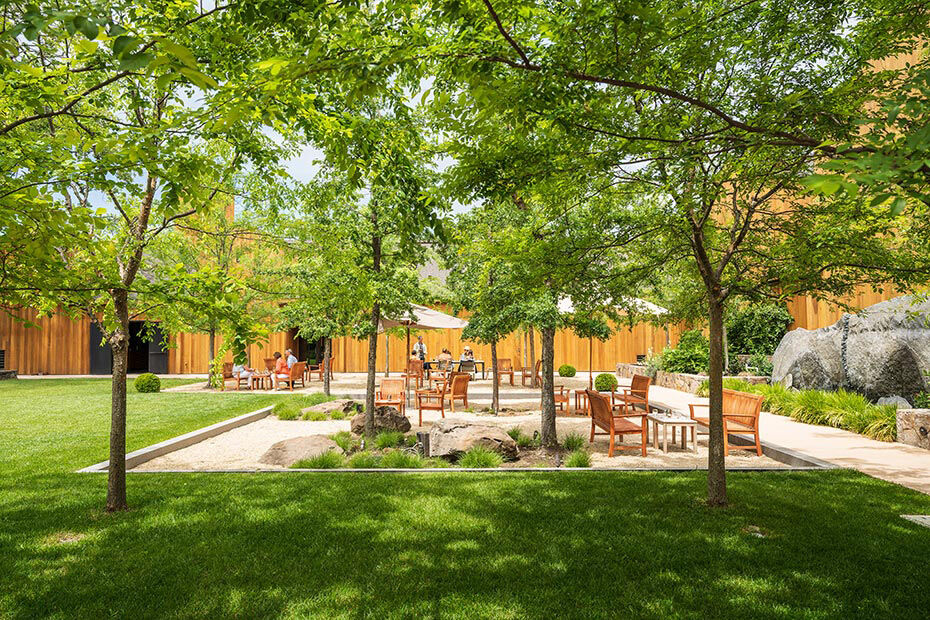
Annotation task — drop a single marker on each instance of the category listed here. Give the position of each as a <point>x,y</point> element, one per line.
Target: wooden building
<point>60,345</point>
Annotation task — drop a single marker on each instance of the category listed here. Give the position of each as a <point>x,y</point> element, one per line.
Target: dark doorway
<point>306,350</point>
<point>144,355</point>
<point>101,358</point>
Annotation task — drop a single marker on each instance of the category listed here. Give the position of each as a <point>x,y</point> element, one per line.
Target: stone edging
<point>148,453</point>
<point>677,381</point>
<point>458,470</point>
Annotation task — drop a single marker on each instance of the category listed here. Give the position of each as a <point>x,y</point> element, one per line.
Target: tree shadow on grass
<point>586,544</point>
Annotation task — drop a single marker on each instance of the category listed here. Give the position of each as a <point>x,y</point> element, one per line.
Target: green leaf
<point>881,198</point>
<point>200,79</point>
<point>88,28</point>
<point>125,44</point>
<point>135,62</point>
<point>897,207</point>
<point>180,52</point>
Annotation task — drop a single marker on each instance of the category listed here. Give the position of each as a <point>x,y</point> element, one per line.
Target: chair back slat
<point>269,363</point>
<point>600,408</point>
<point>744,405</point>
<point>639,386</point>
<point>297,370</point>
<point>392,389</point>
<point>460,383</point>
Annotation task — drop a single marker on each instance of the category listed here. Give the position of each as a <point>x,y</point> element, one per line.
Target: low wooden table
<point>258,381</point>
<point>581,401</point>
<point>674,420</point>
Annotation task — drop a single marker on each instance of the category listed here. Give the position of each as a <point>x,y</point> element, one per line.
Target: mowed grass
<point>540,545</point>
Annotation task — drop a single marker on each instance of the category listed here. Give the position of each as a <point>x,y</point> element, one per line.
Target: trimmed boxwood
<point>566,370</point>
<point>605,382</point>
<point>147,382</point>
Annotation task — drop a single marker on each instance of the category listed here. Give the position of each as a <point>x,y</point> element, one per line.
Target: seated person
<point>467,354</point>
<point>243,371</point>
<point>444,358</point>
<point>291,358</point>
<point>280,366</point>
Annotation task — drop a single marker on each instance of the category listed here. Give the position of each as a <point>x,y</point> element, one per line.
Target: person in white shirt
<point>242,371</point>
<point>419,349</point>
<point>291,360</point>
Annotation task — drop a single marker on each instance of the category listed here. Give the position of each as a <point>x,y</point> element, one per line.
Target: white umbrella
<point>421,317</point>
<point>566,306</point>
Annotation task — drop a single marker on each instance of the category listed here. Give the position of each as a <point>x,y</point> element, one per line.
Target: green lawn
<point>584,544</point>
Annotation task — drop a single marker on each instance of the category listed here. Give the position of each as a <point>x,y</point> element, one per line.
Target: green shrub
<point>760,362</point>
<point>605,382</point>
<point>410,440</point>
<point>436,463</point>
<point>572,442</point>
<point>578,458</point>
<point>147,383</point>
<point>328,460</point>
<point>922,400</point>
<point>480,457</point>
<point>692,355</point>
<point>567,370</point>
<point>397,459</point>
<point>757,328</point>
<point>337,415</point>
<point>653,364</point>
<point>286,409</point>
<point>389,439</point>
<point>363,460</point>
<point>345,441</point>
<point>515,433</point>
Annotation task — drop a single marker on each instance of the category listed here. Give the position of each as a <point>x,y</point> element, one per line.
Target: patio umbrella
<point>566,306</point>
<point>421,317</point>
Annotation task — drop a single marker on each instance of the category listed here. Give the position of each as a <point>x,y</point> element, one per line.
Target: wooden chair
<point>469,367</point>
<point>269,364</point>
<point>603,417</point>
<point>528,373</point>
<point>318,369</point>
<point>227,374</point>
<point>296,374</point>
<point>504,367</point>
<point>240,380</point>
<point>458,389</point>
<point>392,393</point>
<point>560,395</point>
<point>740,415</point>
<point>432,399</point>
<point>636,394</point>
<point>414,373</point>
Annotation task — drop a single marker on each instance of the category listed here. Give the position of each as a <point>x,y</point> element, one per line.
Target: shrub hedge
<point>567,370</point>
<point>147,383</point>
<point>605,382</point>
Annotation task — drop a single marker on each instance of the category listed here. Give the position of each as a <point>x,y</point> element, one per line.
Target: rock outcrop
<point>386,419</point>
<point>450,437</point>
<point>883,350</point>
<point>287,452</point>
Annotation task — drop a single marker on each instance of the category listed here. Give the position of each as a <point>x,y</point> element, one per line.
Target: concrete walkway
<point>894,462</point>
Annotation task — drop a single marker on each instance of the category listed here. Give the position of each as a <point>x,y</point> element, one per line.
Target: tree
<point>710,113</point>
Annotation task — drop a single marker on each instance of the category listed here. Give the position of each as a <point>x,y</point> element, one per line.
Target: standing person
<point>291,359</point>
<point>419,349</point>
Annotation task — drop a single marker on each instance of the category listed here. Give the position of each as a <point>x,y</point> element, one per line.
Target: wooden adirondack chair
<point>635,395</point>
<point>458,389</point>
<point>504,367</point>
<point>432,399</point>
<point>296,374</point>
<point>740,415</point>
<point>393,393</point>
<point>603,417</point>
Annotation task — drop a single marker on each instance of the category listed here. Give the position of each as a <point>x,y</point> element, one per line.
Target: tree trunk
<point>547,432</point>
<point>716,467</point>
<point>119,344</point>
<point>387,355</point>
<point>533,381</point>
<point>327,352</point>
<point>726,351</point>
<point>495,388</point>
<point>211,370</point>
<point>372,357</point>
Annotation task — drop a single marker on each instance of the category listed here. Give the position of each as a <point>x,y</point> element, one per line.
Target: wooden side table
<point>581,401</point>
<point>675,421</point>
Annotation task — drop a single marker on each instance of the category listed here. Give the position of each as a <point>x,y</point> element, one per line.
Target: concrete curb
<point>148,453</point>
<point>459,470</point>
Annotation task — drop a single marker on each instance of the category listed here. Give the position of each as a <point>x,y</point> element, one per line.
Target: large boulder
<point>386,419</point>
<point>287,452</point>
<point>345,405</point>
<point>881,351</point>
<point>450,437</point>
